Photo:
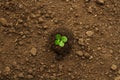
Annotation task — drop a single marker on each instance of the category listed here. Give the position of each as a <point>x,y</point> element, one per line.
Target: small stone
<point>90,9</point>
<point>67,0</point>
<point>3,21</point>
<point>101,63</point>
<point>81,41</point>
<point>29,76</point>
<point>55,21</point>
<point>33,15</point>
<point>14,63</point>
<point>42,68</point>
<point>119,51</point>
<point>114,67</point>
<point>52,66</point>
<point>99,48</point>
<point>20,42</point>
<point>87,0</point>
<point>33,51</point>
<point>119,72</point>
<point>7,69</point>
<point>0,72</point>
<point>79,53</point>
<point>60,67</point>
<point>69,69</point>
<point>21,75</point>
<point>30,71</point>
<point>91,57</point>
<point>89,33</point>
<point>86,55</point>
<point>24,36</point>
<point>111,51</point>
<point>117,78</point>
<point>20,20</point>
<point>101,2</point>
<point>41,20</point>
<point>45,27</point>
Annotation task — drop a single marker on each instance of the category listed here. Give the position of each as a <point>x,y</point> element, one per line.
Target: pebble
<point>91,57</point>
<point>101,2</point>
<point>86,55</point>
<point>117,78</point>
<point>111,51</point>
<point>55,21</point>
<point>90,9</point>
<point>3,21</point>
<point>33,15</point>
<point>21,75</point>
<point>20,42</point>
<point>79,53</point>
<point>7,69</point>
<point>33,51</point>
<point>60,67</point>
<point>52,66</point>
<point>45,27</point>
<point>87,0</point>
<point>30,71</point>
<point>119,72</point>
<point>67,0</point>
<point>81,41</point>
<point>29,76</point>
<point>41,20</point>
<point>114,67</point>
<point>89,33</point>
<point>119,51</point>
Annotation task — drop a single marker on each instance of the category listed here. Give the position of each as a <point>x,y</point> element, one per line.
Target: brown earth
<point>25,26</point>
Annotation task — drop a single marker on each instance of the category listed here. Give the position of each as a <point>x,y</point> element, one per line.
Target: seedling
<point>60,40</point>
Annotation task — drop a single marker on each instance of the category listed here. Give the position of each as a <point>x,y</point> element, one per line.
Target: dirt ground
<point>25,26</point>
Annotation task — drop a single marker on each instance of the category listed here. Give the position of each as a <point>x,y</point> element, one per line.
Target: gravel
<point>29,76</point>
<point>3,21</point>
<point>119,72</point>
<point>33,51</point>
<point>86,55</point>
<point>7,70</point>
<point>79,53</point>
<point>21,75</point>
<point>81,41</point>
<point>89,33</point>
<point>87,0</point>
<point>114,67</point>
<point>117,78</point>
<point>101,2</point>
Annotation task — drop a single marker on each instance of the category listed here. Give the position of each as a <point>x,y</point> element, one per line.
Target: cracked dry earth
<point>25,26</point>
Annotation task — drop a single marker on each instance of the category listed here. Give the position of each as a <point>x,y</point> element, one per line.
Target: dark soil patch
<point>61,51</point>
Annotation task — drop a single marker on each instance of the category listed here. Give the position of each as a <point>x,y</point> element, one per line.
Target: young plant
<point>60,40</point>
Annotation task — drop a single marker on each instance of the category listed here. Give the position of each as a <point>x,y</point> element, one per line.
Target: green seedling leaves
<point>64,38</point>
<point>61,44</point>
<point>58,36</point>
<point>60,40</point>
<point>57,42</point>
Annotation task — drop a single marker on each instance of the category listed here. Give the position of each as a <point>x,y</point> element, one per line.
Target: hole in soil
<point>61,52</point>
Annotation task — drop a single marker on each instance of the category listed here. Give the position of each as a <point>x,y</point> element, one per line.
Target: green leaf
<point>64,39</point>
<point>58,36</point>
<point>61,44</point>
<point>57,42</point>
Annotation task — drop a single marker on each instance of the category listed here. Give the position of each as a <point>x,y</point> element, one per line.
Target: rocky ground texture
<point>25,26</point>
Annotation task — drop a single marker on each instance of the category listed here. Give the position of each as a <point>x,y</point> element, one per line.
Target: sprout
<point>60,40</point>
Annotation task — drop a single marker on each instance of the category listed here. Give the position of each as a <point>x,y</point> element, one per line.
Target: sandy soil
<point>25,26</point>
